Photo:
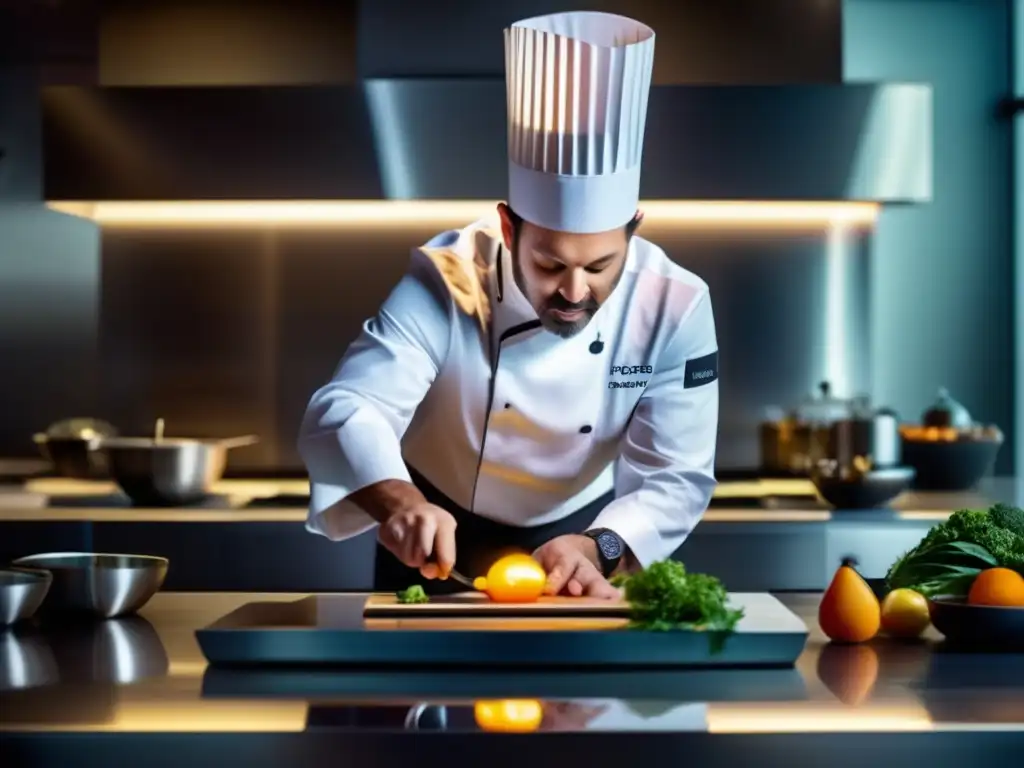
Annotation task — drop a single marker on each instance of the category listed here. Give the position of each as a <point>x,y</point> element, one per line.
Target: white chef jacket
<point>456,378</point>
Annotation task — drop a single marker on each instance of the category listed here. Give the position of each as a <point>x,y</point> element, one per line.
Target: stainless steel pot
<point>164,471</point>
<point>70,445</point>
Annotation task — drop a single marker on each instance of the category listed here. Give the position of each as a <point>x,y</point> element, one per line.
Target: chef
<point>544,380</point>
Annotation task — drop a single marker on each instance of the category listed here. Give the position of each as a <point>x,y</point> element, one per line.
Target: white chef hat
<point>577,86</point>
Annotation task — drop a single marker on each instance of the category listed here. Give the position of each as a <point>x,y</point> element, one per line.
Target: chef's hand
<point>422,536</point>
<point>571,565</point>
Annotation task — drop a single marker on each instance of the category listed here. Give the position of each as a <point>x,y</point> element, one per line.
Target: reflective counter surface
<point>146,674</point>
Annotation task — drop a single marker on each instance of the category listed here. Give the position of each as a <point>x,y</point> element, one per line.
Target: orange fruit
<point>513,579</point>
<point>849,611</point>
<point>509,715</point>
<point>999,587</point>
<point>905,613</point>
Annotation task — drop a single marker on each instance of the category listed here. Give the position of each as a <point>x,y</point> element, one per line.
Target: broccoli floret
<point>962,525</point>
<point>1005,545</point>
<point>414,594</point>
<point>981,527</point>
<point>1009,517</point>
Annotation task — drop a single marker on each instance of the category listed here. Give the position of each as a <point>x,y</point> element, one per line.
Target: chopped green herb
<point>664,596</point>
<point>413,594</point>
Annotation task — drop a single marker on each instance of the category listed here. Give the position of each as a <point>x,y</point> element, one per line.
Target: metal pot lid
<point>80,428</point>
<point>152,442</point>
<point>824,408</point>
<point>947,412</point>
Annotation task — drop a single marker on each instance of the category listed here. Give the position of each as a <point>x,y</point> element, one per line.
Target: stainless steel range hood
<point>444,139</point>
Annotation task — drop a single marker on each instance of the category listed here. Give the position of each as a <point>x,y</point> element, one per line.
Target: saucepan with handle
<point>161,471</point>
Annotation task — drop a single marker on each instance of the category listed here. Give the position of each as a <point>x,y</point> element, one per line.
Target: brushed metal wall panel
<point>232,332</point>
<point>725,41</point>
<point>812,142</point>
<point>20,140</point>
<point>49,280</point>
<point>446,139</point>
<point>49,325</point>
<point>182,143</point>
<point>188,334</point>
<point>227,42</point>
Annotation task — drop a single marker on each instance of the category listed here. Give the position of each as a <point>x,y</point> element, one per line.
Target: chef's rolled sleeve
<point>351,433</point>
<point>664,476</point>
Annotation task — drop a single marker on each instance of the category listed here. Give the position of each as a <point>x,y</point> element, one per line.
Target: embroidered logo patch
<point>701,370</point>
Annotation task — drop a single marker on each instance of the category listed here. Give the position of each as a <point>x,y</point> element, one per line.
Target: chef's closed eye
<point>546,264</point>
<point>600,265</point>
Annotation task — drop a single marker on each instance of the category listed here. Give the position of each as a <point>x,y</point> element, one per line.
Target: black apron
<point>478,542</point>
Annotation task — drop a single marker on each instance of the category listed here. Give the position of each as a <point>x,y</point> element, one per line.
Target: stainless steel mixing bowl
<point>102,585</point>
<point>21,593</point>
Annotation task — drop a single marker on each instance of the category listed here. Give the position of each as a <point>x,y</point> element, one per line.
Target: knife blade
<point>459,577</point>
<point>464,580</point>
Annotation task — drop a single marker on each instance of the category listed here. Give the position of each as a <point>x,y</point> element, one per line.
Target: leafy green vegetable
<point>664,596</point>
<point>413,594</point>
<point>954,552</point>
<point>1011,518</point>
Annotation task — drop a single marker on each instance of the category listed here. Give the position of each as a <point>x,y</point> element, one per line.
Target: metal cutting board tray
<point>331,630</point>
<point>478,605</point>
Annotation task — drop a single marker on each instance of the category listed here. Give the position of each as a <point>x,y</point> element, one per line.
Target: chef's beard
<point>565,329</point>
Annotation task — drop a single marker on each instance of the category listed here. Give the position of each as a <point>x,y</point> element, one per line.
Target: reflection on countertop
<point>146,673</point>
<point>767,500</point>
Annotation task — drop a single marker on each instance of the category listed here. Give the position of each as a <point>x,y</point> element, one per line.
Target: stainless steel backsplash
<point>229,331</point>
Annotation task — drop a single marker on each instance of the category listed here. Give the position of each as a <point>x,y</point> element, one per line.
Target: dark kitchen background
<point>225,330</point>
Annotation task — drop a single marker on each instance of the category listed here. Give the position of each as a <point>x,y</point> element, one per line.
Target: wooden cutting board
<point>476,605</point>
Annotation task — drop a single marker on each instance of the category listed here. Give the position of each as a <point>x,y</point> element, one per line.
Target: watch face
<point>609,545</point>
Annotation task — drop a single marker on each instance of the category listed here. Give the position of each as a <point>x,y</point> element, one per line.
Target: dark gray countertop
<point>281,501</point>
<point>140,686</point>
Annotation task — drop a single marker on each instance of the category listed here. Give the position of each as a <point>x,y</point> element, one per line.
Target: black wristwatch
<point>610,548</point>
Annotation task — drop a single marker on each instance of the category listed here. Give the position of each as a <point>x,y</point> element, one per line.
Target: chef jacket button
<point>586,429</point>
<point>508,405</point>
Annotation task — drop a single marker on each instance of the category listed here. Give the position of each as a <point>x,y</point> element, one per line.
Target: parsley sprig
<point>664,596</point>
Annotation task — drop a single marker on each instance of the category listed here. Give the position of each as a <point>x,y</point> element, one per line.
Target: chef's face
<point>565,276</point>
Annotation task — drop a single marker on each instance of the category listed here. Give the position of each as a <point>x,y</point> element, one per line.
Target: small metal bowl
<point>101,585</point>
<point>21,593</point>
